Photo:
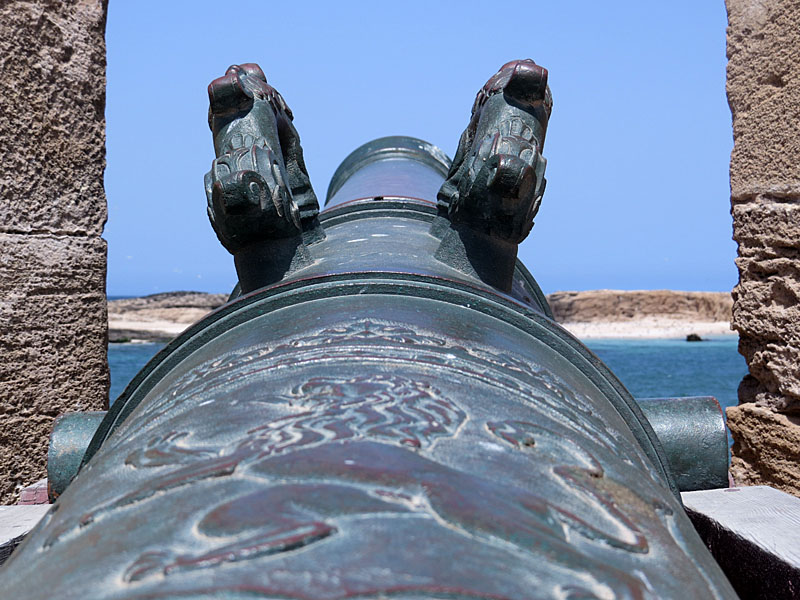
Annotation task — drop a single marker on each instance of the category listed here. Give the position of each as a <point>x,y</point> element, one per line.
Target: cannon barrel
<point>385,407</point>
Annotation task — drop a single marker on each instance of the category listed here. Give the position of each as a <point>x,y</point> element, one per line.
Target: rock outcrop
<point>764,96</point>
<point>159,317</point>
<point>596,313</point>
<point>619,305</point>
<point>52,212</point>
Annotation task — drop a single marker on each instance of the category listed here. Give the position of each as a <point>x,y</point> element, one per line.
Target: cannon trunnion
<point>387,410</point>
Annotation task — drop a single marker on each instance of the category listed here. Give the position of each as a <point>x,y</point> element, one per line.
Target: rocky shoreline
<point>590,314</point>
<point>159,317</point>
<point>642,313</point>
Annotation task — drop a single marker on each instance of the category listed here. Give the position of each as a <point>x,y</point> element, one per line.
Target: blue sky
<point>638,145</point>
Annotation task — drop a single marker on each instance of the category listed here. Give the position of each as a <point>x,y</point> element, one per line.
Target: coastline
<point>127,330</point>
<point>647,328</point>
<point>159,317</point>
<point>597,314</point>
<point>131,331</point>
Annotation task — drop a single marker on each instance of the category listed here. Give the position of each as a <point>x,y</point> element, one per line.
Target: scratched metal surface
<point>394,234</point>
<point>401,242</point>
<point>404,453</point>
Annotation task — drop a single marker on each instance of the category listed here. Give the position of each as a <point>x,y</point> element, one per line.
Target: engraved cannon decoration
<point>385,407</point>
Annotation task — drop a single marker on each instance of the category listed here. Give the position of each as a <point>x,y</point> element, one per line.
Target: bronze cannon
<point>385,408</point>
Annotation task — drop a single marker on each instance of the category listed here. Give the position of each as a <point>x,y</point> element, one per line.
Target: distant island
<point>589,314</point>
<point>642,313</point>
<point>158,317</point>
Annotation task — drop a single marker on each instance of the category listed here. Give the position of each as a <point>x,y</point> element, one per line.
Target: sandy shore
<point>162,330</point>
<point>129,330</point>
<point>648,327</point>
<point>160,317</point>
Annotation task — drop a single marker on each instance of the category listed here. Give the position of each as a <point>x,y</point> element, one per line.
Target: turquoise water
<point>124,361</point>
<point>674,367</point>
<point>648,368</point>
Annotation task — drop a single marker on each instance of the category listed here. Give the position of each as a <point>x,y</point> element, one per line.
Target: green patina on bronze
<point>72,433</point>
<point>694,437</point>
<point>384,409</point>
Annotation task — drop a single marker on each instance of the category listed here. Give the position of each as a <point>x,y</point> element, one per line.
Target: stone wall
<point>764,96</point>
<point>52,211</point>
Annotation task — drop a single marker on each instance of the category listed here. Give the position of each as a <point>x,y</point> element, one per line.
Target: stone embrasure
<point>764,96</point>
<point>52,211</point>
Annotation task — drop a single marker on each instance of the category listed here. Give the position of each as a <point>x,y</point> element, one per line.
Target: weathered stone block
<point>767,228</point>
<point>763,92</point>
<point>53,343</point>
<point>766,309</point>
<point>764,96</point>
<point>766,448</point>
<point>52,116</point>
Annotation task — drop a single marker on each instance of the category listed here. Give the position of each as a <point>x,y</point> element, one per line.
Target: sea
<point>648,368</point>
